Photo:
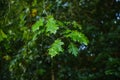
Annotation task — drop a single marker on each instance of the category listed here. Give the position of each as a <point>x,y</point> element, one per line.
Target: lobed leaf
<point>73,49</point>
<point>56,47</point>
<point>39,23</point>
<point>51,25</point>
<point>78,37</point>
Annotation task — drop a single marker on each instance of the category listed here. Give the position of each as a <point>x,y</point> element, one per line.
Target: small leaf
<point>36,26</point>
<point>76,25</point>
<point>34,3</point>
<point>26,34</point>
<point>41,71</point>
<point>109,72</point>
<point>73,49</point>
<point>2,35</point>
<point>56,47</point>
<point>1,38</point>
<point>51,25</point>
<point>34,12</point>
<point>7,57</point>
<point>67,32</point>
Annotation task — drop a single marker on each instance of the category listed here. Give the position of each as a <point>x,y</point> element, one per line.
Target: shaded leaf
<point>76,25</point>
<point>7,57</point>
<point>73,49</point>
<point>2,35</point>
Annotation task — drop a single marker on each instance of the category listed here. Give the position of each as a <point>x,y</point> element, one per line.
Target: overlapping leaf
<point>73,49</point>
<point>78,37</point>
<point>56,48</point>
<point>51,25</point>
<point>37,25</point>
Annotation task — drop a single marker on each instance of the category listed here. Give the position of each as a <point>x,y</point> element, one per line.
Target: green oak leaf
<point>73,49</point>
<point>56,48</point>
<point>37,25</point>
<point>78,37</point>
<point>51,25</point>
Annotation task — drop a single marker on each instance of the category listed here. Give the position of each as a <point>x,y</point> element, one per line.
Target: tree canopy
<point>59,40</point>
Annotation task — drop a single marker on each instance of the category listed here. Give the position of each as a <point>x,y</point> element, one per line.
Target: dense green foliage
<point>59,40</point>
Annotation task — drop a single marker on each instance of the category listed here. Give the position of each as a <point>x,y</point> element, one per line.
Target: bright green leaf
<point>39,23</point>
<point>51,25</point>
<point>56,47</point>
<point>78,37</point>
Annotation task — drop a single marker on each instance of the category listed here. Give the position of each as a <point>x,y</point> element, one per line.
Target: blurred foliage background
<point>59,40</point>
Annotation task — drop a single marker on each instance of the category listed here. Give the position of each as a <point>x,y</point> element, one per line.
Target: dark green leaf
<point>73,49</point>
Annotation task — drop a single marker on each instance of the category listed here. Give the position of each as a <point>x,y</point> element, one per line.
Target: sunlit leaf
<point>37,25</point>
<point>51,25</point>
<point>78,37</point>
<point>56,48</point>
